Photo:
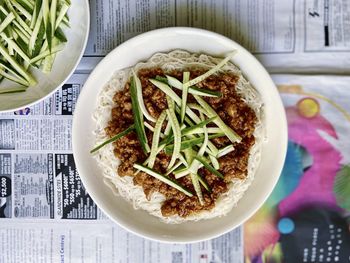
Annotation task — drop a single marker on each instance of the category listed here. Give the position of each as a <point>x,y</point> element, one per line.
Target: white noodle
<point>124,186</point>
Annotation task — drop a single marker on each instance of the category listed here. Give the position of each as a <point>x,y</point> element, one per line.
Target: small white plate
<point>65,63</point>
<point>141,48</point>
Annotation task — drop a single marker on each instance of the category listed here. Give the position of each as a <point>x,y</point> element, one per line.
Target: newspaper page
<point>307,216</point>
<point>285,35</point>
<point>46,215</point>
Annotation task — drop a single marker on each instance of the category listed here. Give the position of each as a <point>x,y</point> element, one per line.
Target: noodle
<point>124,186</point>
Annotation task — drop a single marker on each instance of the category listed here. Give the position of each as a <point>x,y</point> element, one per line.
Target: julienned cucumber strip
<point>155,139</point>
<point>14,45</point>
<point>114,138</point>
<point>13,78</point>
<point>167,90</point>
<point>61,14</point>
<point>53,12</point>
<point>138,118</point>
<point>232,135</point>
<point>22,10</point>
<point>209,167</point>
<point>59,34</point>
<point>204,183</point>
<point>28,5</point>
<point>197,188</point>
<point>191,142</point>
<point>36,12</point>
<point>211,71</point>
<point>199,125</point>
<point>15,22</point>
<point>165,179</point>
<point>187,131</point>
<point>47,22</point>
<point>174,82</point>
<point>12,90</point>
<point>17,66</point>
<point>174,167</point>
<point>225,150</point>
<point>47,53</point>
<point>177,133</point>
<point>18,17</point>
<point>186,78</point>
<point>7,21</point>
<point>141,103</point>
<point>24,36</point>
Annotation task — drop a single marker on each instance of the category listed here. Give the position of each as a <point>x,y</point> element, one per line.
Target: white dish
<point>141,48</point>
<point>65,63</point>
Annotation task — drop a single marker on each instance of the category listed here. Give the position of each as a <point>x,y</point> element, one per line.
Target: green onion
<point>114,138</point>
<point>165,179</point>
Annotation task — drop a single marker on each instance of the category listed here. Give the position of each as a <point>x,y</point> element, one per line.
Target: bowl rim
<point>86,38</point>
<point>250,211</point>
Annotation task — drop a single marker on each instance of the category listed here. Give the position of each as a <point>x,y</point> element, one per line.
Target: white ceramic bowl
<point>141,48</point>
<point>65,63</point>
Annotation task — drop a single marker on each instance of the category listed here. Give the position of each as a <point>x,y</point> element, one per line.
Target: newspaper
<point>46,215</point>
<point>285,35</point>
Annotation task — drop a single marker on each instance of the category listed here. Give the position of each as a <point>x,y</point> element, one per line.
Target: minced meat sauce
<point>232,110</point>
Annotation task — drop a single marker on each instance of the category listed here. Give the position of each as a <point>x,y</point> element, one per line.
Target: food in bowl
<point>179,135</point>
<point>31,34</point>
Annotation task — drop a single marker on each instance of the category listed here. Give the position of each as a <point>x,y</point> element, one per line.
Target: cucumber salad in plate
<point>179,135</point>
<point>31,34</point>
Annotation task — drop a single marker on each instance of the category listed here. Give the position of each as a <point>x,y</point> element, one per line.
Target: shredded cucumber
<point>186,78</point>
<point>138,117</point>
<point>207,165</point>
<point>232,135</point>
<point>31,35</point>
<point>177,133</point>
<point>211,71</point>
<point>174,82</point>
<point>225,150</point>
<point>155,139</point>
<point>191,142</point>
<point>197,188</point>
<point>187,134</point>
<point>12,90</point>
<point>140,98</point>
